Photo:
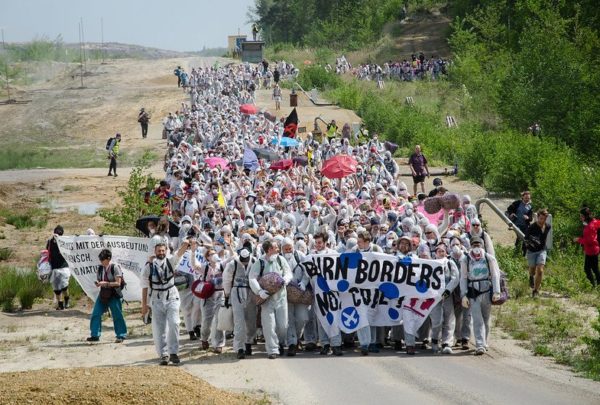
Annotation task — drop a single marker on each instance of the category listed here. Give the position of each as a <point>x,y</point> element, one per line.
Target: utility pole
<point>102,38</point>
<point>5,66</point>
<point>80,55</point>
<point>83,46</point>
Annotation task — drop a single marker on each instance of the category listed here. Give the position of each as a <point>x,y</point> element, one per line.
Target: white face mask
<point>219,249</point>
<point>389,243</point>
<point>476,251</point>
<point>288,256</point>
<point>409,212</point>
<point>152,231</point>
<point>186,227</point>
<point>214,258</point>
<point>343,211</point>
<point>431,241</point>
<point>248,222</point>
<point>456,250</point>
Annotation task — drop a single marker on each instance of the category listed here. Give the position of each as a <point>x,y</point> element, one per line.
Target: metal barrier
<point>498,211</point>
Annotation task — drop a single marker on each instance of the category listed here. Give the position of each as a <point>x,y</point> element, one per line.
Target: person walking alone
<point>535,241</point>
<point>144,119</point>
<point>60,270</point>
<point>591,247</point>
<point>113,154</point>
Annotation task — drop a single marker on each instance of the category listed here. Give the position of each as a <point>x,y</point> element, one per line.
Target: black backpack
<point>108,143</point>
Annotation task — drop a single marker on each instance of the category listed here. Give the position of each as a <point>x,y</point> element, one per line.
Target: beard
<point>161,256</point>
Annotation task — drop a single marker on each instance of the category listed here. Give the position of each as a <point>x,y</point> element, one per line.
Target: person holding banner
<point>158,285</point>
<point>108,279</point>
<point>274,311</point>
<point>60,270</point>
<point>479,286</point>
<point>442,315</point>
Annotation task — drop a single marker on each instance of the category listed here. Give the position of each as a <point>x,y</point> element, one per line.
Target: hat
<point>287,241</point>
<point>475,221</point>
<point>476,239</point>
<point>190,190</point>
<point>186,218</point>
<point>437,182</point>
<point>375,221</point>
<point>392,216</point>
<point>407,238</point>
<point>299,235</point>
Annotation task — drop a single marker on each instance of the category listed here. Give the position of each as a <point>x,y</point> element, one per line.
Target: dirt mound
<point>112,385</point>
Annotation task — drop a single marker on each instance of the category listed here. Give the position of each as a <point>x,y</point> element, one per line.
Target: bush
<point>30,288</point>
<point>21,284</point>
<point>5,253</point>
<point>30,218</point>
<point>9,286</point>
<point>317,77</point>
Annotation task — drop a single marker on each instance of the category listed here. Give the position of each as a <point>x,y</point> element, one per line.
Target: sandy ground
<point>46,339</point>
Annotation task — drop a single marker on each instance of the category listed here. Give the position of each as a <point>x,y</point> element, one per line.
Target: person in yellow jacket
<point>113,153</point>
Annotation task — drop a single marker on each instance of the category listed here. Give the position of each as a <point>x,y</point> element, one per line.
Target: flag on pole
<point>290,126</point>
<point>221,198</point>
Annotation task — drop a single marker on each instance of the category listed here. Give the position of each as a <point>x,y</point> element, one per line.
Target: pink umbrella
<point>248,109</point>
<point>216,161</point>
<point>339,167</point>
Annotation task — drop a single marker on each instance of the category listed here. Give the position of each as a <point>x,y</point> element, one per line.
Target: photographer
<point>108,279</point>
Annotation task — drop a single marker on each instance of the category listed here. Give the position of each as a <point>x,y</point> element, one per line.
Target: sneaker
<point>272,356</point>
<point>337,351</point>
<point>174,359</point>
<point>291,351</point>
<point>119,340</point>
<point>531,282</point>
<point>325,350</point>
<point>60,306</point>
<point>204,345</point>
<point>446,349</point>
<point>93,339</point>
<point>410,350</point>
<point>479,351</point>
<point>66,302</point>
<point>398,346</point>
<point>193,336</point>
<point>464,344</point>
<point>115,174</point>
<point>281,350</point>
<point>310,347</point>
<point>364,350</point>
<point>197,330</point>
<point>248,351</point>
<point>535,294</point>
<point>424,344</point>
<point>435,348</point>
<point>164,360</point>
<point>241,354</point>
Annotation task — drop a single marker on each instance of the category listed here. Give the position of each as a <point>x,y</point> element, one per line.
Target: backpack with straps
<point>504,295</point>
<point>170,275</point>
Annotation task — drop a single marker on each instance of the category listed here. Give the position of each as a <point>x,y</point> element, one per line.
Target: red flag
<point>290,126</point>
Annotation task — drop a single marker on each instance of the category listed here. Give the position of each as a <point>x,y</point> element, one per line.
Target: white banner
<point>81,253</point>
<point>185,265</point>
<point>354,290</point>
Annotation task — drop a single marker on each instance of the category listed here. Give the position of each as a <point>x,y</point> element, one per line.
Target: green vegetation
<point>21,284</point>
<point>135,203</point>
<point>6,253</point>
<point>25,218</point>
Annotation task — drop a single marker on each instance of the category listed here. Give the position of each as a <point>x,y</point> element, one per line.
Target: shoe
<point>364,350</point>
<point>193,336</point>
<point>464,344</point>
<point>197,330</point>
<point>174,359</point>
<point>281,350</point>
<point>115,174</point>
<point>373,348</point>
<point>93,339</point>
<point>164,360</point>
<point>291,351</point>
<point>446,349</point>
<point>218,350</point>
<point>119,340</point>
<point>241,354</point>
<point>398,346</point>
<point>531,282</point>
<point>204,345</point>
<point>435,348</point>
<point>325,350</point>
<point>424,344</point>
<point>337,351</point>
<point>479,351</point>
<point>272,356</point>
<point>535,294</point>
<point>410,350</point>
<point>60,306</point>
<point>310,347</point>
<point>66,302</point>
<point>248,351</point>
<point>109,174</point>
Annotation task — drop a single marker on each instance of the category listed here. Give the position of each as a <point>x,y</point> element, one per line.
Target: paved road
<point>496,378</point>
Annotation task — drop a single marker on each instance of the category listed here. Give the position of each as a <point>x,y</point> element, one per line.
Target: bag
<point>225,318</point>
<point>504,295</point>
<point>43,266</point>
<point>203,289</point>
<point>108,142</point>
<point>181,282</point>
<point>272,284</point>
<point>296,296</point>
<point>106,294</point>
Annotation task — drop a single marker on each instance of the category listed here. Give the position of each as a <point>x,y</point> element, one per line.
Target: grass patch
<point>28,218</point>
<point>21,284</point>
<point>71,188</point>
<point>6,253</point>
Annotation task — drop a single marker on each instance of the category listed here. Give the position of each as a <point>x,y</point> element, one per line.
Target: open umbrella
<point>248,109</point>
<point>390,146</point>
<point>339,167</point>
<point>216,161</point>
<point>286,142</point>
<point>142,225</point>
<point>300,161</point>
<point>282,164</point>
<point>266,154</point>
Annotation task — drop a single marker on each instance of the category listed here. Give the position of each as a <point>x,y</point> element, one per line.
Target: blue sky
<point>182,25</point>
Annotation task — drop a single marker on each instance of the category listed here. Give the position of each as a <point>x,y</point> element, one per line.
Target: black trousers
<point>590,266</point>
<point>113,166</point>
<point>144,126</point>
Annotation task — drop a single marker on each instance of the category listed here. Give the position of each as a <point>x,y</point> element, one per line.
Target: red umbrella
<point>270,116</point>
<point>339,167</point>
<point>282,164</point>
<point>216,161</point>
<point>249,109</point>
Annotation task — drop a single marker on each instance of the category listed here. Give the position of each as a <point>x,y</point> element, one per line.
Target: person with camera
<point>109,279</point>
<point>535,242</point>
<point>158,285</point>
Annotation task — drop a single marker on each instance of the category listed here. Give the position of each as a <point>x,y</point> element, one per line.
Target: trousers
<point>244,318</point>
<point>367,335</point>
<point>481,308</point>
<point>274,319</point>
<point>329,340</point>
<point>112,168</point>
<point>116,313</point>
<point>311,329</point>
<point>165,326</point>
<point>297,319</point>
<point>191,307</point>
<point>462,329</point>
<point>443,321</point>
<point>210,313</point>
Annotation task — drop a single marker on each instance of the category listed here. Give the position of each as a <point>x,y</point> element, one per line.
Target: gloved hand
<point>465,302</point>
<point>496,297</point>
<point>446,294</point>
<point>263,294</point>
<point>227,304</point>
<point>301,286</point>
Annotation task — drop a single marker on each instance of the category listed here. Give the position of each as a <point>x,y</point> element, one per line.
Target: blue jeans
<point>117,315</point>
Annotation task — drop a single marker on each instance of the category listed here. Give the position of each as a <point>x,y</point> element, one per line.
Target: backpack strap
<point>262,267</point>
